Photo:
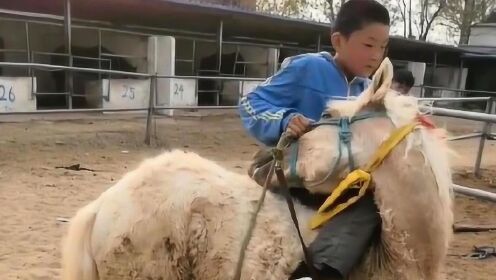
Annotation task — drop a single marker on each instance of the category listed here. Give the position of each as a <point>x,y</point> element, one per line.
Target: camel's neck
<point>373,108</point>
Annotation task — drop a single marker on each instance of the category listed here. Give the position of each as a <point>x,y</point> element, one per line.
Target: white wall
<point>418,71</point>
<point>161,56</point>
<point>273,61</point>
<point>483,35</point>
<point>119,93</point>
<point>170,92</point>
<point>15,94</point>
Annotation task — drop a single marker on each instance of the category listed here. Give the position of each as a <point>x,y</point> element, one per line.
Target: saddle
<point>260,166</point>
<point>259,170</point>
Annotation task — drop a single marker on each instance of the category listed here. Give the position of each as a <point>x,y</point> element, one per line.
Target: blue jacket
<point>304,85</point>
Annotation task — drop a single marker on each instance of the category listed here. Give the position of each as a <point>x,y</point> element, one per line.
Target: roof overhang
<point>237,23</point>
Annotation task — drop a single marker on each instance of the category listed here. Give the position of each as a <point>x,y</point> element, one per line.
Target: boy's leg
<point>343,240</point>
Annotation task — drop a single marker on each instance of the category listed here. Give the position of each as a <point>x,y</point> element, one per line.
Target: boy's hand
<point>298,125</point>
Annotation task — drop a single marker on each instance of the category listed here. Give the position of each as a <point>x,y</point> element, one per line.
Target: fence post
<point>484,136</point>
<point>490,135</point>
<point>151,108</point>
<point>69,74</point>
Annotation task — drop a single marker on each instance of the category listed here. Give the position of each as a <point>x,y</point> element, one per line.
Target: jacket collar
<point>356,80</point>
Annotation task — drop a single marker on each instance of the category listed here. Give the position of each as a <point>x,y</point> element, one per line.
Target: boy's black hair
<point>404,77</point>
<point>354,14</point>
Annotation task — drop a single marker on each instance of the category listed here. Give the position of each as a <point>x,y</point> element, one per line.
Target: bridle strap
<point>276,167</point>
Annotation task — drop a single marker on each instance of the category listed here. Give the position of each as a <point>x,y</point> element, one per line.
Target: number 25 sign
<point>128,92</point>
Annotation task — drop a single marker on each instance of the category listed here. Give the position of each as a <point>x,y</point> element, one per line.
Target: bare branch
<point>331,7</point>
<point>441,6</point>
<point>402,8</point>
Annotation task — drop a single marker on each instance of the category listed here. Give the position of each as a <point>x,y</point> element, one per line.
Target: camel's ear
<point>381,81</point>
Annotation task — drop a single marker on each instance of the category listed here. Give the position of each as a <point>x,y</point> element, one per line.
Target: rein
<point>276,167</point>
<point>357,178</point>
<point>344,135</point>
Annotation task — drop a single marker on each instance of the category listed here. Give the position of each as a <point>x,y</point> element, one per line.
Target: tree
<point>281,7</point>
<point>421,14</point>
<point>332,7</point>
<point>410,34</point>
<point>460,15</point>
<point>332,13</point>
<point>403,12</point>
<point>415,15</point>
<point>430,10</point>
<point>316,10</point>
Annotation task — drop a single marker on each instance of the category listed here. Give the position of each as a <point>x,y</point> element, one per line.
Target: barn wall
<point>12,35</point>
<point>483,36</point>
<point>127,44</point>
<point>49,38</point>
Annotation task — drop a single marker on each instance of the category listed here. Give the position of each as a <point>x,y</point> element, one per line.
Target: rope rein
<point>275,167</point>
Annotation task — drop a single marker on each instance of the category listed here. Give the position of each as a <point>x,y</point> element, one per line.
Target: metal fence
<point>488,117</point>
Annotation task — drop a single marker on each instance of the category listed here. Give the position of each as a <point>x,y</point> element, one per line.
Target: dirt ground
<point>35,192</point>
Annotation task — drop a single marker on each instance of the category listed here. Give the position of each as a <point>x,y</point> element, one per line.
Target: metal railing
<point>487,118</point>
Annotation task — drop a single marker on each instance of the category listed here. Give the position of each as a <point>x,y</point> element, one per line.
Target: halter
<point>345,136</point>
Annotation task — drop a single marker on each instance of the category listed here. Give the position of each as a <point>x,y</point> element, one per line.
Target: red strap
<point>425,121</point>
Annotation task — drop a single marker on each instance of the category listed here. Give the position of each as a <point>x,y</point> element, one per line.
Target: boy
<point>403,81</point>
<point>297,95</point>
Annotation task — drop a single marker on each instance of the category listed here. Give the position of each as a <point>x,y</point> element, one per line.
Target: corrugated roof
<point>479,56</point>
<point>204,17</point>
<point>479,49</point>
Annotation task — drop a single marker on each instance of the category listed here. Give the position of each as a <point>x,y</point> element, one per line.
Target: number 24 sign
<point>178,90</point>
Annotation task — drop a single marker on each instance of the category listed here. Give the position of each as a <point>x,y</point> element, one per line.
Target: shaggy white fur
<point>181,216</point>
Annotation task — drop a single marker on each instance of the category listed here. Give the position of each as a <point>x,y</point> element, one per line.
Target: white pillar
<point>418,71</point>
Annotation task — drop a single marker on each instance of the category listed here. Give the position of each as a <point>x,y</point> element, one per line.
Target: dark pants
<point>342,241</point>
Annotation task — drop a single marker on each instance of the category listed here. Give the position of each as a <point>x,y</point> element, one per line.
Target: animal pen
<point>159,57</point>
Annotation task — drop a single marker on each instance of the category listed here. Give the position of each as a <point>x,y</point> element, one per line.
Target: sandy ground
<point>34,192</point>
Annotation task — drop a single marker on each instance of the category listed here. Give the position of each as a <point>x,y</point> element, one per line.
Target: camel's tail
<point>77,262</point>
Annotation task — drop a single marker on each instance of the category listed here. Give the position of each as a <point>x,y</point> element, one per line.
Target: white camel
<point>181,216</point>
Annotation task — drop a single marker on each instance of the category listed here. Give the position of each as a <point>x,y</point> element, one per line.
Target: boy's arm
<point>266,111</point>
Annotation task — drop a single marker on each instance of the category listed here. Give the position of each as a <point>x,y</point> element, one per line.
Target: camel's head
<point>379,96</point>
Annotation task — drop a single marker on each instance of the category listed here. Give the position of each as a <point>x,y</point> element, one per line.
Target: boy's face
<point>362,52</point>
